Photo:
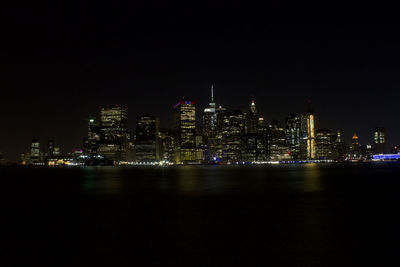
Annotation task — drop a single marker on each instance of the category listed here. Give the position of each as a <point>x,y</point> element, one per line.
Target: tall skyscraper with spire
<point>250,152</point>
<point>209,129</point>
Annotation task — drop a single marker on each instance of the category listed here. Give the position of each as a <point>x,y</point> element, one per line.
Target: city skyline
<point>130,122</point>
<point>60,73</point>
<point>223,134</point>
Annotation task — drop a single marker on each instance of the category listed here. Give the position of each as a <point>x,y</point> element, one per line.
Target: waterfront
<point>302,215</point>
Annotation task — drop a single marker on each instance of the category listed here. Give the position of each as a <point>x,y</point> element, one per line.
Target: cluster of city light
<point>386,157</point>
<point>146,163</point>
<point>233,138</point>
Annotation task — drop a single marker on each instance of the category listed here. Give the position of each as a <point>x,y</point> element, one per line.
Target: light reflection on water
<point>187,180</point>
<point>105,179</point>
<point>197,180</point>
<point>312,178</point>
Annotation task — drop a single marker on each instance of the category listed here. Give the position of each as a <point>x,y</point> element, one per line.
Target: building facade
<point>379,140</point>
<point>167,144</point>
<point>113,132</point>
<point>323,143</point>
<point>185,131</point>
<point>277,145</point>
<point>147,145</point>
<point>293,134</point>
<point>307,140</point>
<point>234,130</point>
<point>35,154</point>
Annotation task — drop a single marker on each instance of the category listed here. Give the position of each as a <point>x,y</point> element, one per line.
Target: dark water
<point>291,215</point>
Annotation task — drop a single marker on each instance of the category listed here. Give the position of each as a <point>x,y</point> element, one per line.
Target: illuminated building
<point>293,134</point>
<point>130,149</point>
<point>256,141</point>
<point>354,143</point>
<point>307,140</point>
<point>355,149</point>
<point>250,151</point>
<point>278,148</point>
<point>185,131</point>
<point>367,151</point>
<point>262,140</point>
<point>25,158</point>
<point>35,155</point>
<point>56,151</point>
<point>210,124</point>
<point>91,143</point>
<point>323,144</point>
<point>232,136</point>
<point>220,116</point>
<point>252,119</point>
<point>338,147</point>
<point>250,138</point>
<point>147,139</point>
<point>113,132</point>
<point>166,138</point>
<point>380,140</point>
<point>201,146</point>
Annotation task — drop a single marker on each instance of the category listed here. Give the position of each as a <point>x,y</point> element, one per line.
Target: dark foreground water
<point>291,215</point>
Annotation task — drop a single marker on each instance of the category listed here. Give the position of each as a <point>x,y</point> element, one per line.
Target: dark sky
<point>60,63</point>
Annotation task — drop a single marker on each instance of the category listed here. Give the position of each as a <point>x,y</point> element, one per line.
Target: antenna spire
<point>212,93</point>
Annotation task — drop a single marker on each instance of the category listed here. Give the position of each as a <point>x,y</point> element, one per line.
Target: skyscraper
<point>91,144</point>
<point>293,134</point>
<point>278,148</point>
<point>307,141</point>
<point>185,131</point>
<point>252,119</point>
<point>147,139</point>
<point>220,116</point>
<point>250,137</point>
<point>35,155</point>
<point>379,140</point>
<point>355,149</point>
<point>339,148</point>
<point>354,143</point>
<point>113,132</point>
<point>166,137</point>
<point>233,136</point>
<point>323,144</point>
<point>262,139</point>
<point>209,129</point>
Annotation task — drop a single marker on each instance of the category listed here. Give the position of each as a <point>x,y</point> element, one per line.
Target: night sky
<point>59,64</point>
